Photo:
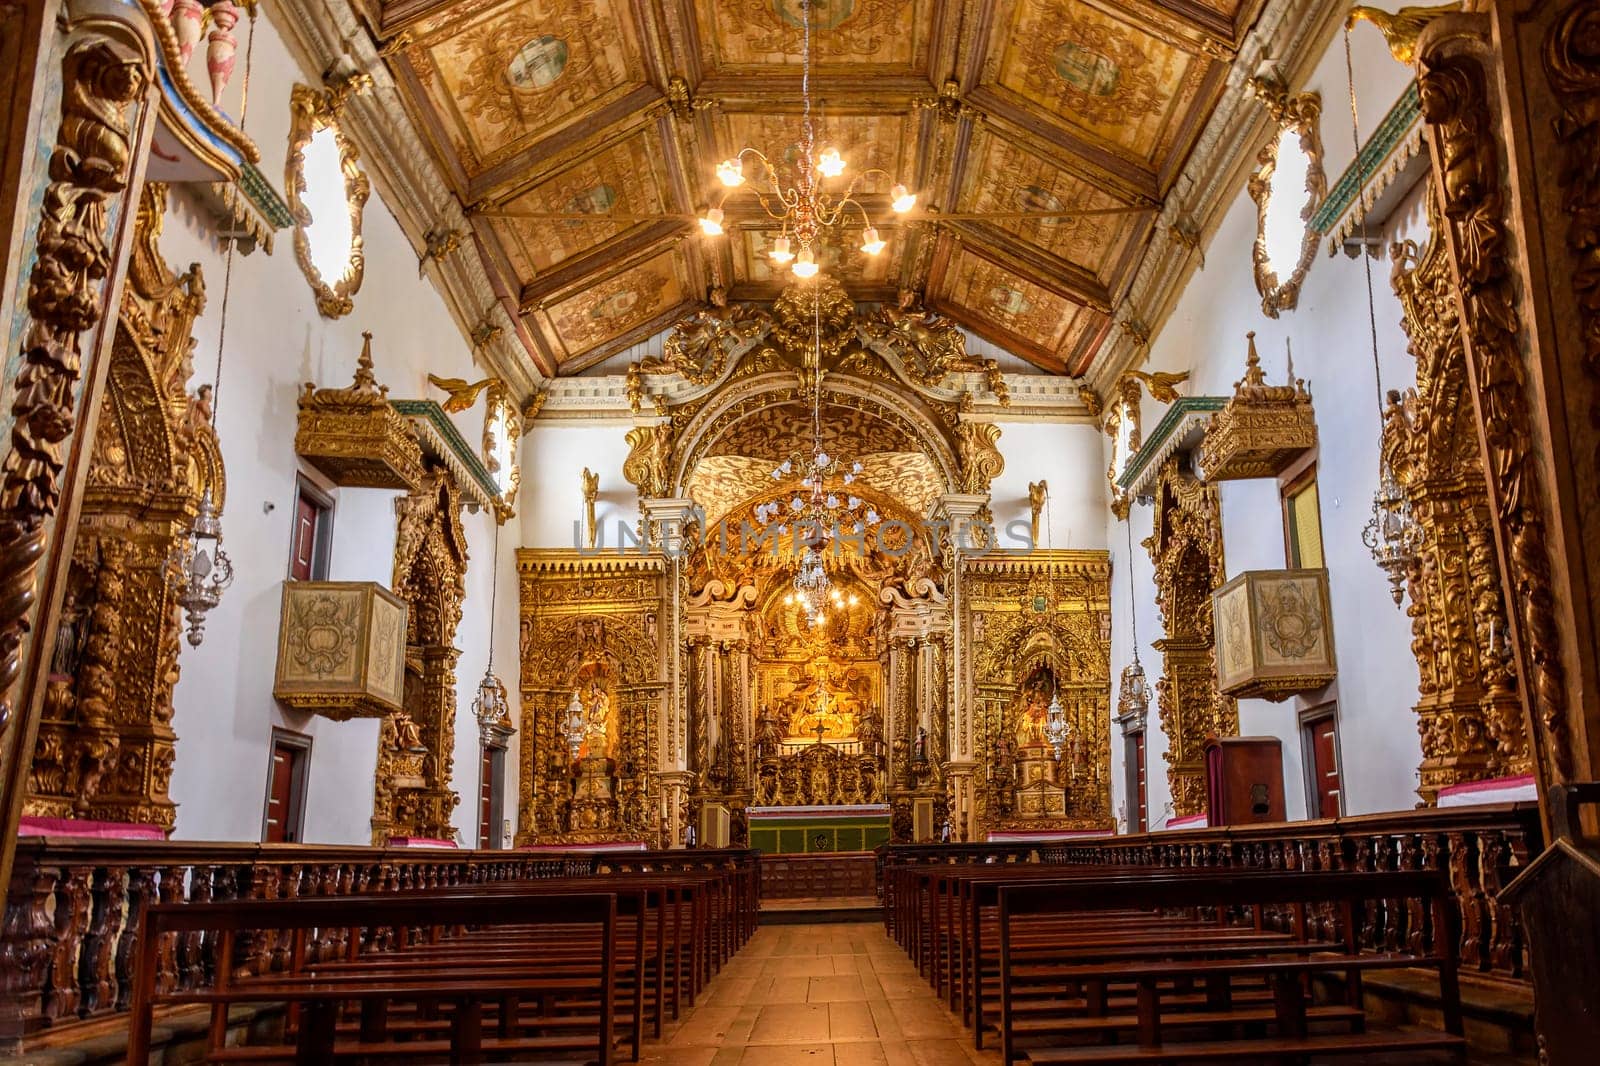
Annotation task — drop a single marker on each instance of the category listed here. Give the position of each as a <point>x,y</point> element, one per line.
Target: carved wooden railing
<point>71,921</point>
<point>1477,847</point>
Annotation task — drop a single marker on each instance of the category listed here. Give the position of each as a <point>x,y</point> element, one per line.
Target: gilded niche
<point>1039,628</point>
<point>592,692</point>
<point>412,794</point>
<point>1186,548</point>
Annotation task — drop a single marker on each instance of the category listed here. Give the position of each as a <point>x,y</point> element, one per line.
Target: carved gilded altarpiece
<point>1469,715</point>
<point>591,643</point>
<point>1186,548</point>
<point>412,796</point>
<point>106,746</point>
<point>1039,628</point>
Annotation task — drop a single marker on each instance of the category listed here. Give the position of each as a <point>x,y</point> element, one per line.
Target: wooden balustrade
<point>1478,848</point>
<point>72,910</point>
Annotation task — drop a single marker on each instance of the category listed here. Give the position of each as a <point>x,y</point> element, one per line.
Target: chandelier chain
<point>1133,600</point>
<point>233,241</point>
<point>1361,214</point>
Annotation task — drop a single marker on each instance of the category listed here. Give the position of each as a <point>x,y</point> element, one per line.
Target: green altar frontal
<point>801,832</point>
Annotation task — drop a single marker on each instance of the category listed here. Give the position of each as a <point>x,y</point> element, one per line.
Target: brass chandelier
<point>809,205</point>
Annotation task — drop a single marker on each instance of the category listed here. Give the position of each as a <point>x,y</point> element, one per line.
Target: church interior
<point>854,532</point>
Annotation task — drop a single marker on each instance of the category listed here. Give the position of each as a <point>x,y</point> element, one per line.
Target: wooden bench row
<point>558,969</point>
<point>1112,964</point>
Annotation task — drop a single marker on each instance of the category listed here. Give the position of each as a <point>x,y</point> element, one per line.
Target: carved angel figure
<point>461,394</point>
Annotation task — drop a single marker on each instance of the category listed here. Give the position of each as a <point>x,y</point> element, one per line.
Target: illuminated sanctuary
<point>439,434</point>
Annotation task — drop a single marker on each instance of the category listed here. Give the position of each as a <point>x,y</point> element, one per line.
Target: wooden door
<point>302,561</point>
<point>1325,766</point>
<point>486,776</point>
<point>280,796</point>
<point>1133,775</point>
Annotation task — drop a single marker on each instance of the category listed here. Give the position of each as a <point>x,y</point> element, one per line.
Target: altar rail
<point>1477,847</point>
<point>72,913</point>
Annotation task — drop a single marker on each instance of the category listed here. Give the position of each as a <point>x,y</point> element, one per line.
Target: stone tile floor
<point>818,995</point>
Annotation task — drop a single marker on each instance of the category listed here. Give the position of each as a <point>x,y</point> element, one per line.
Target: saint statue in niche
<point>597,713</point>
<point>1033,711</point>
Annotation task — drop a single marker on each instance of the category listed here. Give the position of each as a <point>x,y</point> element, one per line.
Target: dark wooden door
<point>1325,766</point>
<point>280,796</point>
<point>303,559</point>
<point>486,800</point>
<point>1139,783</point>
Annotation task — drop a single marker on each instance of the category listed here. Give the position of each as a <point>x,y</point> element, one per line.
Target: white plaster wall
<point>1070,456</point>
<point>554,456</point>
<point>224,710</point>
<point>1329,332</point>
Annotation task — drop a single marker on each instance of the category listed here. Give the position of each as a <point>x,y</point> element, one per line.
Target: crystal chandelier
<point>1392,534</point>
<point>199,570</point>
<point>808,204</point>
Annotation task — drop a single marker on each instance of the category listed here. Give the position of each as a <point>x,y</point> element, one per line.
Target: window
<point>1138,805</point>
<point>312,535</point>
<point>502,429</point>
<point>1319,740</point>
<point>283,821</point>
<point>1302,523</point>
<point>327,194</point>
<point>1288,184</point>
<point>491,800</point>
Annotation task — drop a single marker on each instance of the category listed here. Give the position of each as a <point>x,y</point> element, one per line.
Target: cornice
<point>1294,33</point>
<point>1393,150</point>
<point>603,399</point>
<point>1182,427</point>
<point>440,439</point>
<point>320,33</point>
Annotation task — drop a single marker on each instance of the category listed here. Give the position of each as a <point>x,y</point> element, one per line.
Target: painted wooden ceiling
<point>582,136</point>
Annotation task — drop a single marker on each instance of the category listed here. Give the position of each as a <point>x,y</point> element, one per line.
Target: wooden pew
<point>1154,971</point>
<point>318,1000</point>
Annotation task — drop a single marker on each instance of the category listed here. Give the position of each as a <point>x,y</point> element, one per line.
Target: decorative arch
<point>412,796</point>
<point>106,746</point>
<point>1186,548</point>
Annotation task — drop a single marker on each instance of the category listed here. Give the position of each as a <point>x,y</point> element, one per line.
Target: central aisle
<point>819,995</point>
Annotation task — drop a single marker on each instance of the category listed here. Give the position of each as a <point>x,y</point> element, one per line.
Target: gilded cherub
<point>462,395</point>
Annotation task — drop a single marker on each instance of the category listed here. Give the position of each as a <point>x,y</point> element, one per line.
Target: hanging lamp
<point>490,706</point>
<point>198,569</point>
<point>1392,533</point>
<point>1133,697</point>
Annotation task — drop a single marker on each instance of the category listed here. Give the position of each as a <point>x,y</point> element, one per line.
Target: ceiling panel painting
<point>753,33</point>
<point>1100,74</point>
<point>840,256</point>
<point>1012,311</point>
<point>627,178</point>
<point>1008,177</point>
<point>502,75</point>
<point>616,307</point>
<point>868,142</point>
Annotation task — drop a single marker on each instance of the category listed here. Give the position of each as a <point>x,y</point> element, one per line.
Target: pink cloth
<point>419,842</point>
<point>1188,821</point>
<point>77,827</point>
<point>638,845</point>
<point>1495,790</point>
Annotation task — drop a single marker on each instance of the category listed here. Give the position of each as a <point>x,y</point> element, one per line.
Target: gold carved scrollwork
<point>106,744</point>
<point>1469,716</point>
<point>88,172</point>
<point>648,466</point>
<point>1298,115</point>
<point>1453,86</point>
<point>1186,548</point>
<point>818,775</point>
<point>977,445</point>
<point>1262,429</point>
<point>311,111</point>
<point>354,436</point>
<point>430,565</point>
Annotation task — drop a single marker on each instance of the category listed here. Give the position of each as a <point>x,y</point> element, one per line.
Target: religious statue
<point>596,720</point>
<point>1037,491</point>
<point>591,492</point>
<point>1033,717</point>
<point>921,748</point>
<point>870,732</point>
<point>769,734</point>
